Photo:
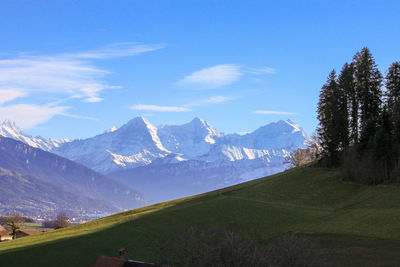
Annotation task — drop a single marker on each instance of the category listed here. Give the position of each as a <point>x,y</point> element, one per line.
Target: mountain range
<point>48,183</point>
<point>172,161</point>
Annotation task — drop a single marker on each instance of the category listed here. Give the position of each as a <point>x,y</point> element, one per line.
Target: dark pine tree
<point>393,101</point>
<point>328,130</point>
<point>393,85</point>
<point>368,82</point>
<point>382,152</point>
<point>348,107</point>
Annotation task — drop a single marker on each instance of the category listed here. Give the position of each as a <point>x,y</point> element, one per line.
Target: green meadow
<point>356,225</point>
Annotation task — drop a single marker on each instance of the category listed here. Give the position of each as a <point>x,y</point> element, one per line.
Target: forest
<point>359,121</point>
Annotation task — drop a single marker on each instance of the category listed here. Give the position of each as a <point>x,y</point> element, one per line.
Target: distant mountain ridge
<point>201,157</point>
<point>10,129</point>
<point>64,176</point>
<point>33,197</point>
<point>138,143</point>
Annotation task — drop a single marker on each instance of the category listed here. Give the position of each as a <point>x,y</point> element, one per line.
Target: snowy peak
<point>138,122</point>
<point>277,135</point>
<point>140,127</point>
<point>199,124</point>
<point>134,144</point>
<point>193,139</point>
<point>10,129</point>
<point>112,129</point>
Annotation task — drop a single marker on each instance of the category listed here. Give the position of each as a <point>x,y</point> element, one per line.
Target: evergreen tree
<point>393,99</point>
<point>382,151</point>
<point>328,130</point>
<point>348,106</point>
<point>368,81</point>
<point>393,86</point>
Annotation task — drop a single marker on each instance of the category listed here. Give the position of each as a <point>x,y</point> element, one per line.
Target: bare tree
<point>61,221</point>
<point>13,221</point>
<point>303,156</point>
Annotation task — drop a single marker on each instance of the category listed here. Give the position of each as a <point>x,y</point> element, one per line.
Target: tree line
<point>359,120</point>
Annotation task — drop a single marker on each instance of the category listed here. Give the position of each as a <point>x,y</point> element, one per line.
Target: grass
<point>35,226</point>
<point>358,225</point>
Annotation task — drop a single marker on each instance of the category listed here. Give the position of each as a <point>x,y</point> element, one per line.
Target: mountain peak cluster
<point>171,161</point>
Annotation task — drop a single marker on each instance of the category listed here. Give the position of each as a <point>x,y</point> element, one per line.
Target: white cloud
<point>75,116</point>
<point>8,95</point>
<point>262,70</point>
<point>212,77</point>
<point>220,75</point>
<point>159,108</point>
<point>68,74</point>
<point>211,100</point>
<point>117,50</point>
<point>273,112</point>
<point>27,116</point>
<point>65,76</point>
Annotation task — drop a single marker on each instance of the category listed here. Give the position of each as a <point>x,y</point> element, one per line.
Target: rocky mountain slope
<point>33,197</point>
<point>66,175</point>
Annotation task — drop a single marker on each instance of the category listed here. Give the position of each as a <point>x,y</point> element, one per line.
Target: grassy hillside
<point>358,225</point>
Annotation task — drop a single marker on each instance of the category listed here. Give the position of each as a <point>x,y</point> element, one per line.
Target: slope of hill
<point>33,197</point>
<point>68,175</point>
<point>358,225</point>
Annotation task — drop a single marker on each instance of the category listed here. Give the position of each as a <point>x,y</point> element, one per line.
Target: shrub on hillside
<point>211,247</point>
<point>294,249</point>
<point>48,224</point>
<point>61,221</point>
<point>221,247</point>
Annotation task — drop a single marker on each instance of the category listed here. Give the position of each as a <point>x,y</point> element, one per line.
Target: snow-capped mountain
<point>139,143</point>
<point>189,158</point>
<point>132,145</point>
<point>192,139</point>
<point>11,130</point>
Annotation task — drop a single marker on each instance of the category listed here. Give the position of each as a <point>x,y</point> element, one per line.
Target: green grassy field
<point>358,225</point>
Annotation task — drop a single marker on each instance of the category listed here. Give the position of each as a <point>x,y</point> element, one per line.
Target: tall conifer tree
<point>368,82</point>
<point>348,106</point>
<point>346,81</point>
<point>328,130</point>
<point>393,85</point>
<point>393,103</point>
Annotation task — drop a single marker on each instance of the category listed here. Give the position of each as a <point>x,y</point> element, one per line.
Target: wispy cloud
<point>8,95</point>
<point>117,50</point>
<point>160,108</point>
<point>67,76</point>
<point>262,70</point>
<point>212,77</point>
<point>27,116</point>
<point>75,116</point>
<point>273,112</point>
<point>71,74</point>
<point>220,75</point>
<point>211,100</point>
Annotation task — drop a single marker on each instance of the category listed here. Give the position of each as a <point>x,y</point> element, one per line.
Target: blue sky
<point>75,68</point>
